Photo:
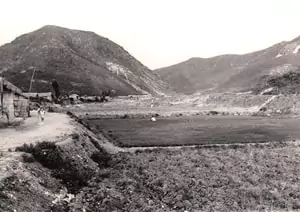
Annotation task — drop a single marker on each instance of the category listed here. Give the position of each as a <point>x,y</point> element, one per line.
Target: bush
<point>51,110</point>
<point>48,154</point>
<point>102,158</point>
<point>62,207</point>
<point>44,152</point>
<point>75,136</point>
<point>25,148</point>
<point>27,158</point>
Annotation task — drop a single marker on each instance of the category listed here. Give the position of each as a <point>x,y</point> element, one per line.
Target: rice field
<point>197,130</point>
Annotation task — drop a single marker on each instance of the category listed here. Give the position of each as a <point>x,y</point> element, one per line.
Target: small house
<point>74,98</point>
<point>13,103</point>
<point>39,97</point>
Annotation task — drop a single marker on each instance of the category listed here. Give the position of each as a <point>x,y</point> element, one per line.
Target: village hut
<point>13,103</point>
<point>39,97</point>
<point>74,98</point>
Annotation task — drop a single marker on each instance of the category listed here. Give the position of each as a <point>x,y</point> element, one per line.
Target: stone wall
<point>21,106</point>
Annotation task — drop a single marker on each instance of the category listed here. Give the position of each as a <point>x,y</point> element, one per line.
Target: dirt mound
<point>27,187</point>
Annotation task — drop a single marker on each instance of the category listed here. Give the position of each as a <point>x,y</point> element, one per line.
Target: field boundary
<point>272,144</point>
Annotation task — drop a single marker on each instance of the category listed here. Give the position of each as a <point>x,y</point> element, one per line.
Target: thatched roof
<point>8,86</point>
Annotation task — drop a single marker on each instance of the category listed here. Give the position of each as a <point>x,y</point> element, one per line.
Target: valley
<point>207,134</point>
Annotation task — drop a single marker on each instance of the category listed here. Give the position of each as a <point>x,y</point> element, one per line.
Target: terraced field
<point>197,130</point>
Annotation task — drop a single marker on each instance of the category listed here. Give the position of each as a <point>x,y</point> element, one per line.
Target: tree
<point>56,90</point>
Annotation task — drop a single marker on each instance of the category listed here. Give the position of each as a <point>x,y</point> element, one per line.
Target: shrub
<point>44,152</point>
<point>102,158</point>
<point>212,112</point>
<point>75,136</point>
<point>62,206</point>
<point>48,155</point>
<point>51,110</point>
<point>27,158</point>
<point>25,148</point>
<point>138,151</point>
<point>102,174</point>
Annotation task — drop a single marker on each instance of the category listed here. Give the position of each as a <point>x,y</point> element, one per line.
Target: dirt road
<point>32,130</point>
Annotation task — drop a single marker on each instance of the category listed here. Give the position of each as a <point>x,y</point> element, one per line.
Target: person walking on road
<point>41,114</point>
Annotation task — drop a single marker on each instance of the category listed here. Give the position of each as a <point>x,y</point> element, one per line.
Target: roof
<point>6,85</point>
<point>74,95</point>
<point>46,94</point>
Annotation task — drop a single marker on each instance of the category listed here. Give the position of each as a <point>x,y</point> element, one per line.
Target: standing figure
<point>39,113</point>
<point>42,114</point>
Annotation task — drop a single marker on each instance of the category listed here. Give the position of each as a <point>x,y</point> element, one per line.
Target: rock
<point>151,202</point>
<point>179,197</point>
<point>187,204</point>
<point>179,205</point>
<point>212,112</point>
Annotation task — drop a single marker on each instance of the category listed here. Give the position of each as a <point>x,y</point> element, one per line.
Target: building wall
<point>8,104</point>
<point>21,106</point>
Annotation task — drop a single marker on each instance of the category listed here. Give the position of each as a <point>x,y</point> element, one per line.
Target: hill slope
<point>82,62</point>
<point>254,72</point>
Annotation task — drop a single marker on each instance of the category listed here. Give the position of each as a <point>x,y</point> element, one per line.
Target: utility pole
<point>1,93</point>
<point>31,79</point>
<point>30,86</point>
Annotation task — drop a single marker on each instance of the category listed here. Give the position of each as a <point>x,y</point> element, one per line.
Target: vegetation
<point>288,83</point>
<point>63,166</point>
<point>240,179</point>
<point>49,155</point>
<point>56,90</point>
<point>28,158</point>
<point>102,158</point>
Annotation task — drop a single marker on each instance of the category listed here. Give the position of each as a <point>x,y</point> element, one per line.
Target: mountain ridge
<point>235,72</point>
<point>81,61</point>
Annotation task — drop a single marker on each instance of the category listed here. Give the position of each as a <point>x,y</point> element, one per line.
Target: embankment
<point>45,176</point>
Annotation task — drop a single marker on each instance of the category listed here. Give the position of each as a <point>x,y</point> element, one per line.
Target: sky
<point>160,33</point>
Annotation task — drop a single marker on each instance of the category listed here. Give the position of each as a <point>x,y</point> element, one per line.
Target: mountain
<point>273,70</point>
<point>82,62</point>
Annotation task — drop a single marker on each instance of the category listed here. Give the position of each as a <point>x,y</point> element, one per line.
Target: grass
<point>197,130</point>
<point>200,180</point>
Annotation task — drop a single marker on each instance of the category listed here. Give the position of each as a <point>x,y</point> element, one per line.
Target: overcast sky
<point>162,32</point>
